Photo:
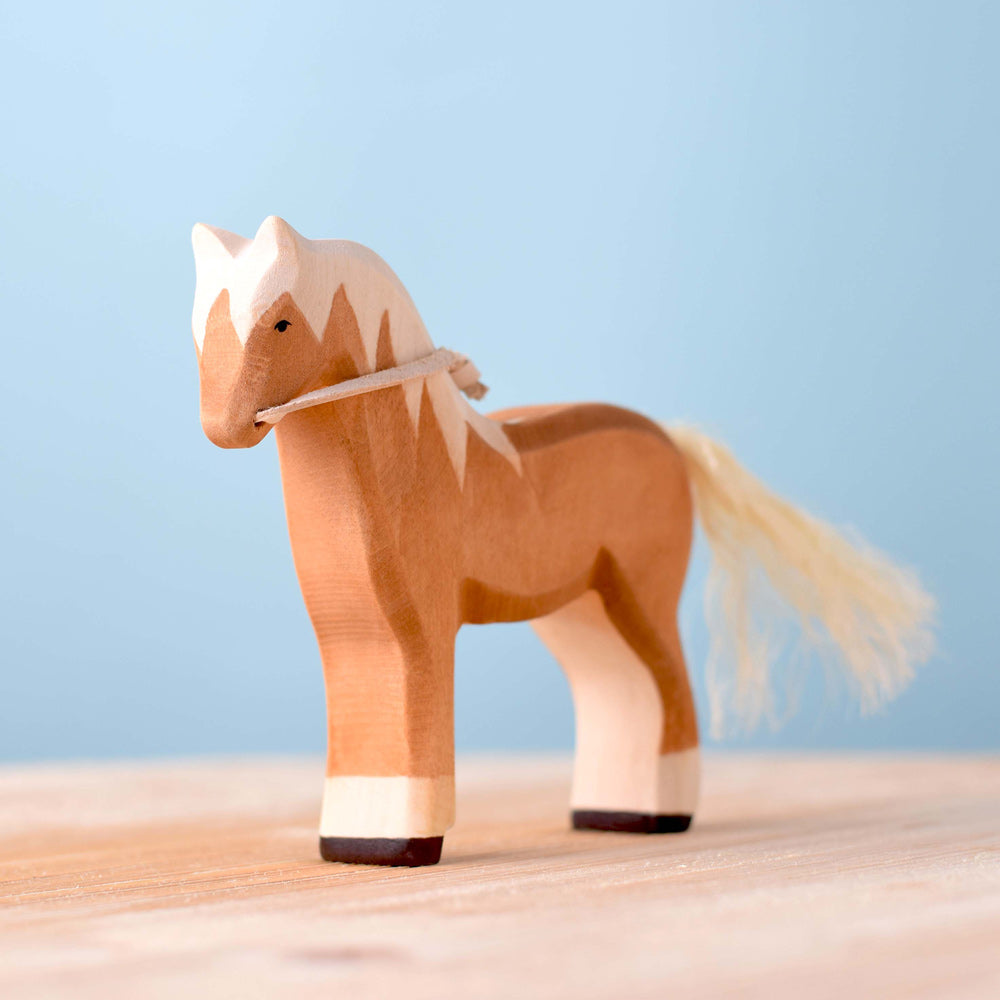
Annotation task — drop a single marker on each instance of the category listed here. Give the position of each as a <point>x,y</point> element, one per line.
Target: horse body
<point>393,554</point>
<point>411,514</point>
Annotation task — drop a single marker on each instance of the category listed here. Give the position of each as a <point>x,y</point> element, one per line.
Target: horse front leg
<point>389,794</point>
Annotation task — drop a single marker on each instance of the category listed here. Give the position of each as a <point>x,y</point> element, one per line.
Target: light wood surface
<point>821,877</point>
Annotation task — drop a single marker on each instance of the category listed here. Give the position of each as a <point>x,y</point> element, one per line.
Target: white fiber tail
<point>847,597</point>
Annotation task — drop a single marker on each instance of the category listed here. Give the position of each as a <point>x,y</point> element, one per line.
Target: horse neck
<point>365,450</point>
<point>372,325</point>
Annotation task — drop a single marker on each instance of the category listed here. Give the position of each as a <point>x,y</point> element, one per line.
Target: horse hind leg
<point>636,767</point>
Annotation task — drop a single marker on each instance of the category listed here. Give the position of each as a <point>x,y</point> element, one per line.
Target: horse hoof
<point>628,822</point>
<point>412,852</point>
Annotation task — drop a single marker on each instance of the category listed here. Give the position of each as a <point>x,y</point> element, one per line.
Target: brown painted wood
<point>819,877</point>
<point>410,513</point>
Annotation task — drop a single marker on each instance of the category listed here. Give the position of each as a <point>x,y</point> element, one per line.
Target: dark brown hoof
<point>402,853</point>
<point>626,822</point>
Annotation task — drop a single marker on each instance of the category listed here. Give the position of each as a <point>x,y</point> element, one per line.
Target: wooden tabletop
<point>802,877</point>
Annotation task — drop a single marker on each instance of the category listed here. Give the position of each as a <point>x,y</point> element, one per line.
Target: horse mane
<point>278,260</point>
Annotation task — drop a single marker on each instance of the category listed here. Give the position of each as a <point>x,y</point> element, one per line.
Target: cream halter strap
<point>462,370</point>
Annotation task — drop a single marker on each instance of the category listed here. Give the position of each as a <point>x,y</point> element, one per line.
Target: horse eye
<point>282,325</point>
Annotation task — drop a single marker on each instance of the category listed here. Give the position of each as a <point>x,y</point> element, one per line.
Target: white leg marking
<point>394,807</point>
<point>679,783</point>
<point>619,719</point>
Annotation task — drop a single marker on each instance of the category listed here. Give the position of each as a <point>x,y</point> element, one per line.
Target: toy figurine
<point>411,513</point>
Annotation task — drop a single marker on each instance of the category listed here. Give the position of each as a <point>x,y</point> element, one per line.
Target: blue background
<point>777,220</point>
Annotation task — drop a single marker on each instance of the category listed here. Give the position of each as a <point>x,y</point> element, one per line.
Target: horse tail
<point>847,598</point>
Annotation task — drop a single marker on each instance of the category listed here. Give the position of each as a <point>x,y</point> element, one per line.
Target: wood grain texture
<point>809,877</point>
<point>411,514</point>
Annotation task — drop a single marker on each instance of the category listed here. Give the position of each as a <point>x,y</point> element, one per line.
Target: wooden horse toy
<point>411,513</point>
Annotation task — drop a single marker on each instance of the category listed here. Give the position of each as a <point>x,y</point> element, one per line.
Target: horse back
<point>545,425</point>
<point>598,483</point>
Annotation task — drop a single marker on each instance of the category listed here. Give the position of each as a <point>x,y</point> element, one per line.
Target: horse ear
<point>214,253</point>
<point>213,245</point>
<point>275,232</point>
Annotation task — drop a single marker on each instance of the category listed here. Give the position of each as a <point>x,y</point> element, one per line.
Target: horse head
<point>260,316</point>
